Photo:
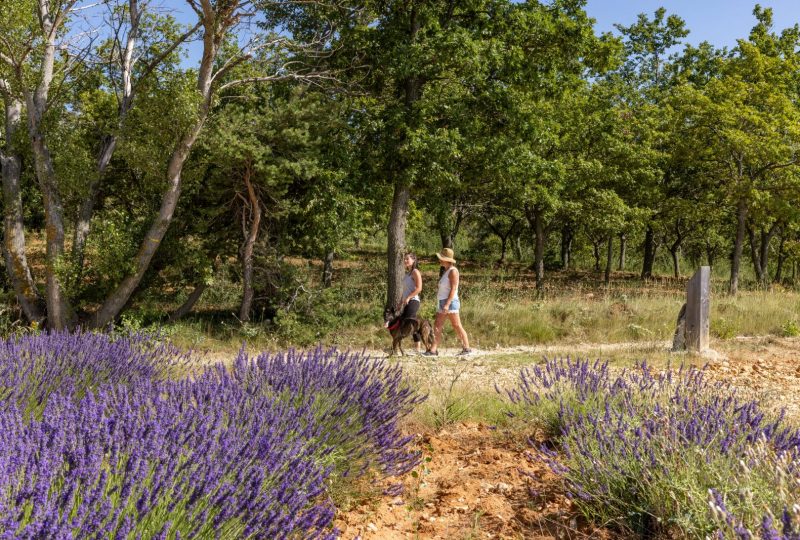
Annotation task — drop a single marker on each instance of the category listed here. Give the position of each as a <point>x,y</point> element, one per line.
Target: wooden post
<point>698,307</point>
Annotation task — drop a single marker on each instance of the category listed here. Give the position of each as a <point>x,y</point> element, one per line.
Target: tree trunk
<point>649,253</point>
<point>58,309</point>
<point>759,251</point>
<point>86,210</point>
<point>766,240</point>
<point>566,247</point>
<point>676,269</point>
<point>711,254</point>
<point>327,269</point>
<point>251,223</point>
<point>609,260</point>
<point>397,238</point>
<point>623,245</point>
<point>504,235</point>
<point>398,217</point>
<point>781,259</point>
<point>187,306</point>
<point>674,251</point>
<point>212,37</point>
<point>738,245</point>
<point>447,240</point>
<point>596,252</point>
<point>109,142</point>
<point>754,255</point>
<point>19,272</point>
<point>536,222</point>
<point>59,313</point>
<point>539,252</point>
<point>448,236</point>
<point>518,247</point>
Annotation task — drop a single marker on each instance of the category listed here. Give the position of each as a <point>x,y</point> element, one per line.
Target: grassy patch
<point>500,307</point>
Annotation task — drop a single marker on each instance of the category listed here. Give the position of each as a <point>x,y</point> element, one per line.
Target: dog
<point>401,328</point>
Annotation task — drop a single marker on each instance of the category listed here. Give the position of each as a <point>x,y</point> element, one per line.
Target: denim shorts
<point>454,305</point>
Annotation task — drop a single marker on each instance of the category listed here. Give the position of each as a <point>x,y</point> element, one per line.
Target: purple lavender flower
<point>619,434</point>
<point>98,441</point>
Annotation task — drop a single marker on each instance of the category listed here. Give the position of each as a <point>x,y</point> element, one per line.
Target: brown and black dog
<point>401,328</point>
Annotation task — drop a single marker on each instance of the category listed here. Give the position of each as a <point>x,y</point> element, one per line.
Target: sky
<point>720,22</point>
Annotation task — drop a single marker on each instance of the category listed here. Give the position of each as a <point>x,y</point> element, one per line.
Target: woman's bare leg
<point>455,320</point>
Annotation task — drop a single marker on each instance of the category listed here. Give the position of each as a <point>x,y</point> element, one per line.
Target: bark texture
<point>16,261</point>
<point>251,223</point>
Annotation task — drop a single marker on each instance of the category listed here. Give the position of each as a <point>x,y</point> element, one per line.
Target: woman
<point>412,286</point>
<point>449,304</point>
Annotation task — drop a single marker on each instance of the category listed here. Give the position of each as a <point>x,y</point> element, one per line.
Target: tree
<point>34,66</point>
<point>647,45</point>
<point>748,119</point>
<point>14,252</point>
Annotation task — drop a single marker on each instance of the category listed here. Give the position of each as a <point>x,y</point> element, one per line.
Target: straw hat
<point>446,256</point>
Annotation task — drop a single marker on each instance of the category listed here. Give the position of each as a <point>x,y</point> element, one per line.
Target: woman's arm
<point>417,277</point>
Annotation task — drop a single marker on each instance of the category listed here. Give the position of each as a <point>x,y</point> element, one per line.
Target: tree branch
<point>169,50</point>
<point>309,77</point>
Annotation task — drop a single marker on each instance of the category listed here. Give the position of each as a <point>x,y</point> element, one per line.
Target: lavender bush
<point>358,402</point>
<point>33,366</point>
<point>241,453</point>
<point>778,472</point>
<point>642,449</point>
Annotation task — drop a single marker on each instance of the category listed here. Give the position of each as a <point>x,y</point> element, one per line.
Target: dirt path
<point>482,369</point>
<point>477,483</point>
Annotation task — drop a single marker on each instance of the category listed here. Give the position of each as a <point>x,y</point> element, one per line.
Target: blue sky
<point>720,22</point>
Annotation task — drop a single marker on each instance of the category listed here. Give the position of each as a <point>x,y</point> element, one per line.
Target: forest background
<point>269,189</point>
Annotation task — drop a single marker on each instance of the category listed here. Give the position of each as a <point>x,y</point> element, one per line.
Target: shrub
<point>767,469</point>
<point>790,328</point>
<point>118,449</point>
<point>357,401</point>
<point>34,366</point>
<point>161,459</point>
<point>642,449</point>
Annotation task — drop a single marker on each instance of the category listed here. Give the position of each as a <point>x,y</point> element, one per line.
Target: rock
<point>503,487</point>
<point>372,527</point>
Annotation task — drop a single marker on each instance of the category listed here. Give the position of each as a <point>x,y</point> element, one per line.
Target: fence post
<point>698,307</point>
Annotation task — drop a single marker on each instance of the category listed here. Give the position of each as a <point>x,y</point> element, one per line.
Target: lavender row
<point>643,449</point>
<point>242,453</point>
<point>359,401</point>
<point>33,366</point>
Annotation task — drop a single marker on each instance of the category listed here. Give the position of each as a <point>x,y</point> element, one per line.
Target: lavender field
<point>105,437</point>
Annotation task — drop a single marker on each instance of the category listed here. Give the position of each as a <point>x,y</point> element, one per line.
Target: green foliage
<point>500,116</point>
<point>791,328</point>
<point>111,248</point>
<point>723,328</point>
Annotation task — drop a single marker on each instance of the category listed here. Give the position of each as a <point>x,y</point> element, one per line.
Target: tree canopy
<point>487,123</point>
